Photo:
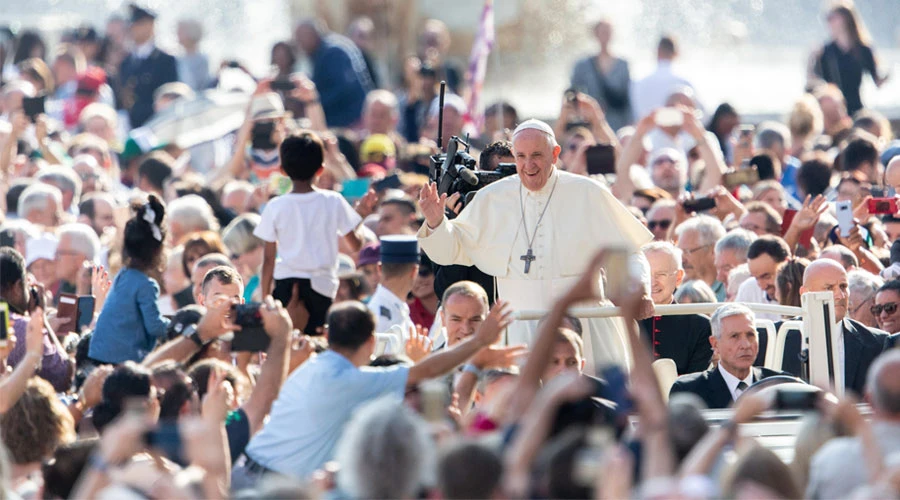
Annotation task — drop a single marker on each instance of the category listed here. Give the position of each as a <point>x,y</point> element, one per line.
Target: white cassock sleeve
<point>456,241</point>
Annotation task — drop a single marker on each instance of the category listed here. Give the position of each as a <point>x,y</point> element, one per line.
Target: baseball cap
<point>42,247</point>
<point>369,254</point>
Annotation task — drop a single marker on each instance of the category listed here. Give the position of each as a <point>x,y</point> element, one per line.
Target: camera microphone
<point>467,175</point>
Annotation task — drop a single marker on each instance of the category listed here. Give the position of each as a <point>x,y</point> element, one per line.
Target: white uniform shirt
<point>391,313</point>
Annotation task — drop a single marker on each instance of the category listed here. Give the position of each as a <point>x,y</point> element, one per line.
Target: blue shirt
<point>342,79</point>
<point>789,176</point>
<point>314,405</point>
<point>130,321</point>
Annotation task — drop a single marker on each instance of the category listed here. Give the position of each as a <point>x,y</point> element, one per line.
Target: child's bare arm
<point>354,239</point>
<point>268,268</point>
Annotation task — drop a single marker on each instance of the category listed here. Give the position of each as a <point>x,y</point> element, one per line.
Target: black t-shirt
<point>845,69</point>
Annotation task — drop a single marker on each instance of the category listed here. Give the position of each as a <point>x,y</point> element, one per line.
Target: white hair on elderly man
<point>726,311</point>
<point>63,178</point>
<point>84,239</point>
<point>38,197</point>
<point>190,213</point>
<point>385,451</point>
<point>666,248</point>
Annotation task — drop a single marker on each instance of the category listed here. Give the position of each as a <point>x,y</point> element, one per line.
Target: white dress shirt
<point>144,50</point>
<point>732,382</point>
<point>750,292</point>
<point>652,91</point>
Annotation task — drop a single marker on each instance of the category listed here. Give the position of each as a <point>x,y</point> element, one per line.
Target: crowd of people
<point>308,315</point>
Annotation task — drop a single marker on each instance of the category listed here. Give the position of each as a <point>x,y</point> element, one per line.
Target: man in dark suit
<point>683,338</point>
<point>144,70</point>
<point>861,344</point>
<point>735,340</point>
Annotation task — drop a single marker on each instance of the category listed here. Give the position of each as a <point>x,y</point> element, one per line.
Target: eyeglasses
<point>890,308</point>
<point>692,250</point>
<point>662,224</point>
<point>663,275</point>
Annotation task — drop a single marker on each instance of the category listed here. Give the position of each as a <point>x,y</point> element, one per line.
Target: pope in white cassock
<point>535,232</point>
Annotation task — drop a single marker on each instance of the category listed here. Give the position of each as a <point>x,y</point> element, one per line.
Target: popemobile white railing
<point>816,316</point>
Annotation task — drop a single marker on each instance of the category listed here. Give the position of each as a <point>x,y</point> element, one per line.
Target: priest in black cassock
<point>683,338</point>
<point>144,70</point>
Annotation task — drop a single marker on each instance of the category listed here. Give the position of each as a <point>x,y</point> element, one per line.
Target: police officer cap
<point>139,13</point>
<point>399,249</point>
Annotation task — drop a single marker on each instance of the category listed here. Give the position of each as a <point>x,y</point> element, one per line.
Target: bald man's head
<point>883,385</point>
<point>892,173</point>
<point>826,275</point>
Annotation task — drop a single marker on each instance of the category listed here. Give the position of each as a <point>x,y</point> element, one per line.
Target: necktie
<point>741,387</point>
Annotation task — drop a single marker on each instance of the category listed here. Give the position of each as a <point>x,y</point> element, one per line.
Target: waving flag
<point>481,48</point>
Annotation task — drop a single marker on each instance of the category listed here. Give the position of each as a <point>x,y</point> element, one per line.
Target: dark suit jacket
<point>861,346</point>
<point>683,338</point>
<point>892,340</point>
<point>139,78</point>
<point>711,387</point>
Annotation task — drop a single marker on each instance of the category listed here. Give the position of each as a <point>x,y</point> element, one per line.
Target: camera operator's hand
<point>432,205</point>
<point>276,320</point>
<point>453,204</point>
<point>217,321</point>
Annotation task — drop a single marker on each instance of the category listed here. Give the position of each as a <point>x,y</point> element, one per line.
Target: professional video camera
<point>454,171</point>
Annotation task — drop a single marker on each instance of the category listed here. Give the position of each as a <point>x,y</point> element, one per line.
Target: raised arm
<point>274,370</point>
<point>715,165</point>
<point>630,155</point>
<point>13,386</point>
<point>443,361</point>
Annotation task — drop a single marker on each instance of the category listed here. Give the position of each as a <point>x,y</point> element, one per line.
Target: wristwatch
<point>191,332</point>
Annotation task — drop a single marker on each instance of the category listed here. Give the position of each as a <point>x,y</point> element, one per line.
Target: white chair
<point>666,373</point>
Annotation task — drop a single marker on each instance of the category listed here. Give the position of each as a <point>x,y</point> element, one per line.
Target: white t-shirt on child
<point>307,227</point>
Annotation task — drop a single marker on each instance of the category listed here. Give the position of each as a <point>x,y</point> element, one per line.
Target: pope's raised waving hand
<point>432,204</point>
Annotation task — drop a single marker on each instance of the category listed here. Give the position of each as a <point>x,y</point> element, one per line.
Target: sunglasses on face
<point>890,308</point>
<point>662,224</point>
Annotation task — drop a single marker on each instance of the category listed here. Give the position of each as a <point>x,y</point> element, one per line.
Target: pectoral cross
<point>528,258</point>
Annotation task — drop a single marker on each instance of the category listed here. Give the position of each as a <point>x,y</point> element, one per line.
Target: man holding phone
<point>56,366</point>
